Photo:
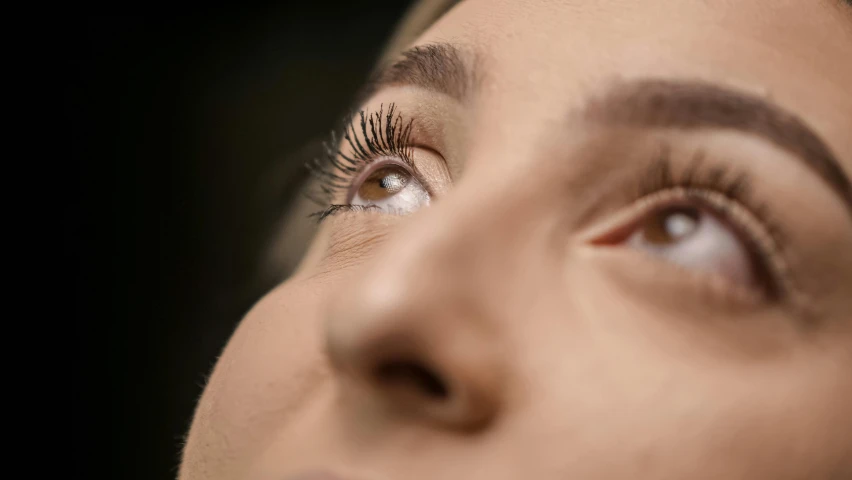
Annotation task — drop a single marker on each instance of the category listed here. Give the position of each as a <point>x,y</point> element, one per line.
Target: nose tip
<point>418,367</point>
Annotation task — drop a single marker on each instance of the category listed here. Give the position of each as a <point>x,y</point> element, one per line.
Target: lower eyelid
<point>690,284</point>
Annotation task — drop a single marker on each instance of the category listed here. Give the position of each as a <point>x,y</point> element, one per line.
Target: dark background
<point>185,124</point>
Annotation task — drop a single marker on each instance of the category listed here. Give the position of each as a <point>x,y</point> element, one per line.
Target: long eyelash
<point>368,137</point>
<point>735,185</point>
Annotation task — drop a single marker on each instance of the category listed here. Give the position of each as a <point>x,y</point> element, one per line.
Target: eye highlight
<point>389,188</point>
<point>382,184</point>
<point>668,226</point>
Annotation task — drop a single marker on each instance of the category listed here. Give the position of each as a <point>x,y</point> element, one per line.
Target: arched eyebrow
<point>692,105</point>
<point>652,103</point>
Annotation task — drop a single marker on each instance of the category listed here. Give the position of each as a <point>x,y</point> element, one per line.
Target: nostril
<point>412,375</point>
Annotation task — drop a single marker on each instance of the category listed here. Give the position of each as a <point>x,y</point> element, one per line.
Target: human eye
<point>374,169</point>
<point>696,238</point>
<point>390,188</point>
<point>708,222</point>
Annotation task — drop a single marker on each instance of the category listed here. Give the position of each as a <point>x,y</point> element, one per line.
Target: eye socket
<point>697,239</point>
<point>390,188</point>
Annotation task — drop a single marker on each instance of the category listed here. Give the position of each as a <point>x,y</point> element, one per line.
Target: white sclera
<point>701,243</point>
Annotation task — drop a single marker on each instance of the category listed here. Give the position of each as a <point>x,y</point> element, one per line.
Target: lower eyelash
<point>374,135</point>
<point>336,208</point>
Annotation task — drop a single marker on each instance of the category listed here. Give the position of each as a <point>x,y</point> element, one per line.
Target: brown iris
<point>383,183</point>
<point>670,225</point>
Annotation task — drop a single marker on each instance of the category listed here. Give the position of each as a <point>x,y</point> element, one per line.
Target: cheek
<point>667,388</point>
<point>270,369</point>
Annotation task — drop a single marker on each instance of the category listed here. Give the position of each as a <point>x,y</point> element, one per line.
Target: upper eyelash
<point>382,133</point>
<point>735,185</point>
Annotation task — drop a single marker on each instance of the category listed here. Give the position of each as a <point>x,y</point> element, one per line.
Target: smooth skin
<point>531,348</point>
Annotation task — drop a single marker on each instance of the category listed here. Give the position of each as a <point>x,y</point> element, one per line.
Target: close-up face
<point>567,240</point>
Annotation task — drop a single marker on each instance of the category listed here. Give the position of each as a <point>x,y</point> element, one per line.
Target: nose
<point>419,329</point>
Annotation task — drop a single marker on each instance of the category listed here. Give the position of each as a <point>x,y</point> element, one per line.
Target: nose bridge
<point>441,272</point>
<point>463,244</point>
<point>433,301</point>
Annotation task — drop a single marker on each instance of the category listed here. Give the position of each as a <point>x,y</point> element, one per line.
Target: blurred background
<point>189,126</point>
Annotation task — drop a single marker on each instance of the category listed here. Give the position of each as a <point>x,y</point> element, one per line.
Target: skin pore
<point>616,242</point>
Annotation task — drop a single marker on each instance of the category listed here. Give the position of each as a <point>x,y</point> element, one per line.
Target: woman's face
<point>579,240</point>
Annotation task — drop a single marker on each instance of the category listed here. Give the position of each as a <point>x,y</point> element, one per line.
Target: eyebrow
<point>438,67</point>
<point>692,105</point>
<point>661,103</point>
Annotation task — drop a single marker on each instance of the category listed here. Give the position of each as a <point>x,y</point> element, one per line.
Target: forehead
<point>544,57</point>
